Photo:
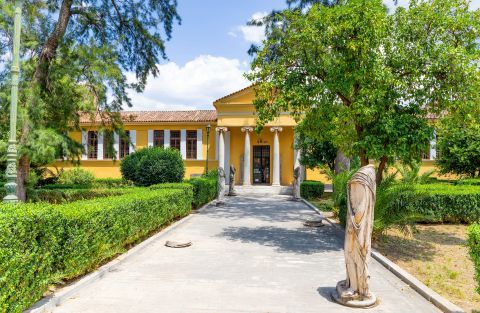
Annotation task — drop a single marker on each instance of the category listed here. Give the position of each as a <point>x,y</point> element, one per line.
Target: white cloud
<point>192,86</point>
<point>251,34</point>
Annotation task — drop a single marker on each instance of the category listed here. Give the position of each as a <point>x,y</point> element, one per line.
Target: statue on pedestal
<point>231,181</point>
<point>221,187</point>
<point>361,191</point>
<point>297,180</point>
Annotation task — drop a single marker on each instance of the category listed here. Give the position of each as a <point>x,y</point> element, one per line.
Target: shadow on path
<point>300,241</point>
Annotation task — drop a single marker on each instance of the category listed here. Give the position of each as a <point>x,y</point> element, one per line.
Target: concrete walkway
<point>254,255</point>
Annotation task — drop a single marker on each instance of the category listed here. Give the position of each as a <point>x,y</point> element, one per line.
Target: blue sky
<point>208,53</point>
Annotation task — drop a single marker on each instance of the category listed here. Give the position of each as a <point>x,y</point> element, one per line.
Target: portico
<point>261,157</point>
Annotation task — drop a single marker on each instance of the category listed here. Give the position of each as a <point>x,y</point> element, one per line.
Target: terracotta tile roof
<point>195,116</point>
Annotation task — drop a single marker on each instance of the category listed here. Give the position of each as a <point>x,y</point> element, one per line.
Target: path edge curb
<point>47,304</point>
<point>439,301</point>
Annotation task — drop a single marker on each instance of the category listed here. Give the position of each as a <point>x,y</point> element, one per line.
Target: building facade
<point>221,137</point>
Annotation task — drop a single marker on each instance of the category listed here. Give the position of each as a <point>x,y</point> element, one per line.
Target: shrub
<point>211,174</point>
<point>152,166</point>
<point>204,190</point>
<point>76,176</point>
<point>111,183</point>
<point>339,196</point>
<point>44,243</point>
<point>442,203</point>
<point>310,189</point>
<point>474,245</point>
<point>70,195</point>
<point>468,181</point>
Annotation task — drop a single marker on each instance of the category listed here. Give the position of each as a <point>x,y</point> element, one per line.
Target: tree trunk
<point>363,159</point>
<point>381,168</point>
<point>342,163</point>
<point>23,172</point>
<point>40,78</point>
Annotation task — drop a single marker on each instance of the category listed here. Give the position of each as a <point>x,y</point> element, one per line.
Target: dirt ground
<point>438,256</point>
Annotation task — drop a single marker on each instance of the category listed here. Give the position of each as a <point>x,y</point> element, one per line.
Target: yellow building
<point>266,158</point>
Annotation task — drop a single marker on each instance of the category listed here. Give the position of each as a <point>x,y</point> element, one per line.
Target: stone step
<point>263,190</point>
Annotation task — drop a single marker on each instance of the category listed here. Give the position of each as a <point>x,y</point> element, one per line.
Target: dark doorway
<point>261,164</point>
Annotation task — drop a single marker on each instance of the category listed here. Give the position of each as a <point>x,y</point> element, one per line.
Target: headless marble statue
<point>221,186</point>
<point>231,181</point>
<point>361,191</point>
<point>297,173</point>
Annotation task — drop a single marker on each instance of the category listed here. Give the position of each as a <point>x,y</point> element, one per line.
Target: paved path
<point>253,255</point>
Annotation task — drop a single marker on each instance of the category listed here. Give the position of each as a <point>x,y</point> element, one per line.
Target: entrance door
<point>261,164</point>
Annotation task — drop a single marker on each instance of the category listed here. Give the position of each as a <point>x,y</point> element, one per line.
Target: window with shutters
<point>92,145</point>
<point>125,145</point>
<point>158,138</point>
<point>191,144</point>
<point>175,139</point>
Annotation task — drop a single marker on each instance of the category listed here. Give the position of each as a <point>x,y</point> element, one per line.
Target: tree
<point>76,58</point>
<point>369,79</point>
<point>458,147</point>
<point>315,153</point>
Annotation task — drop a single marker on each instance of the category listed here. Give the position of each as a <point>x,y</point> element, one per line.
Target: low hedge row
<point>69,195</point>
<point>474,246</point>
<point>41,244</point>
<point>204,189</point>
<point>443,203</point>
<point>310,189</point>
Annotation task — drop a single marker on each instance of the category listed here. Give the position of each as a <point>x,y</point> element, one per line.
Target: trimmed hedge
<point>443,203</point>
<point>204,190</point>
<point>41,243</point>
<point>70,195</point>
<point>310,189</point>
<point>474,245</point>
<point>150,166</point>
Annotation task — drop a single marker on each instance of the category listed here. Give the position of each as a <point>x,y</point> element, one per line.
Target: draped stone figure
<point>361,191</point>
<point>221,186</point>
<point>297,180</point>
<point>231,181</point>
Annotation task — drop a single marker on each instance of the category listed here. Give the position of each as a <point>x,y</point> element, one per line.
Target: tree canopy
<point>368,80</point>
<point>76,57</point>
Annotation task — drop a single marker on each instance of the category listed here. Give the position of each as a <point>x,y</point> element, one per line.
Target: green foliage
<point>474,246</point>
<point>76,176</point>
<point>315,153</point>
<point>468,181</point>
<point>204,190</point>
<point>442,203</point>
<point>410,173</point>
<point>211,174</point>
<point>111,183</point>
<point>42,244</point>
<point>310,189</point>
<point>70,195</point>
<point>150,166</point>
<point>339,196</point>
<point>459,147</point>
<point>367,80</point>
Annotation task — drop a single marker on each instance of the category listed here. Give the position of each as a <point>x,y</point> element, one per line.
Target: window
<point>158,138</point>
<point>92,145</point>
<point>175,139</point>
<point>108,145</point>
<point>125,145</point>
<point>191,144</point>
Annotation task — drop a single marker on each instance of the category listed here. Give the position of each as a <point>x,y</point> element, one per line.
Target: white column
<point>276,156</point>
<point>116,145</point>
<point>133,140</point>
<point>433,147</point>
<point>199,144</point>
<point>100,146</point>
<point>150,137</point>
<point>221,146</point>
<point>85,144</point>
<point>166,138</point>
<point>183,143</point>
<point>246,157</point>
